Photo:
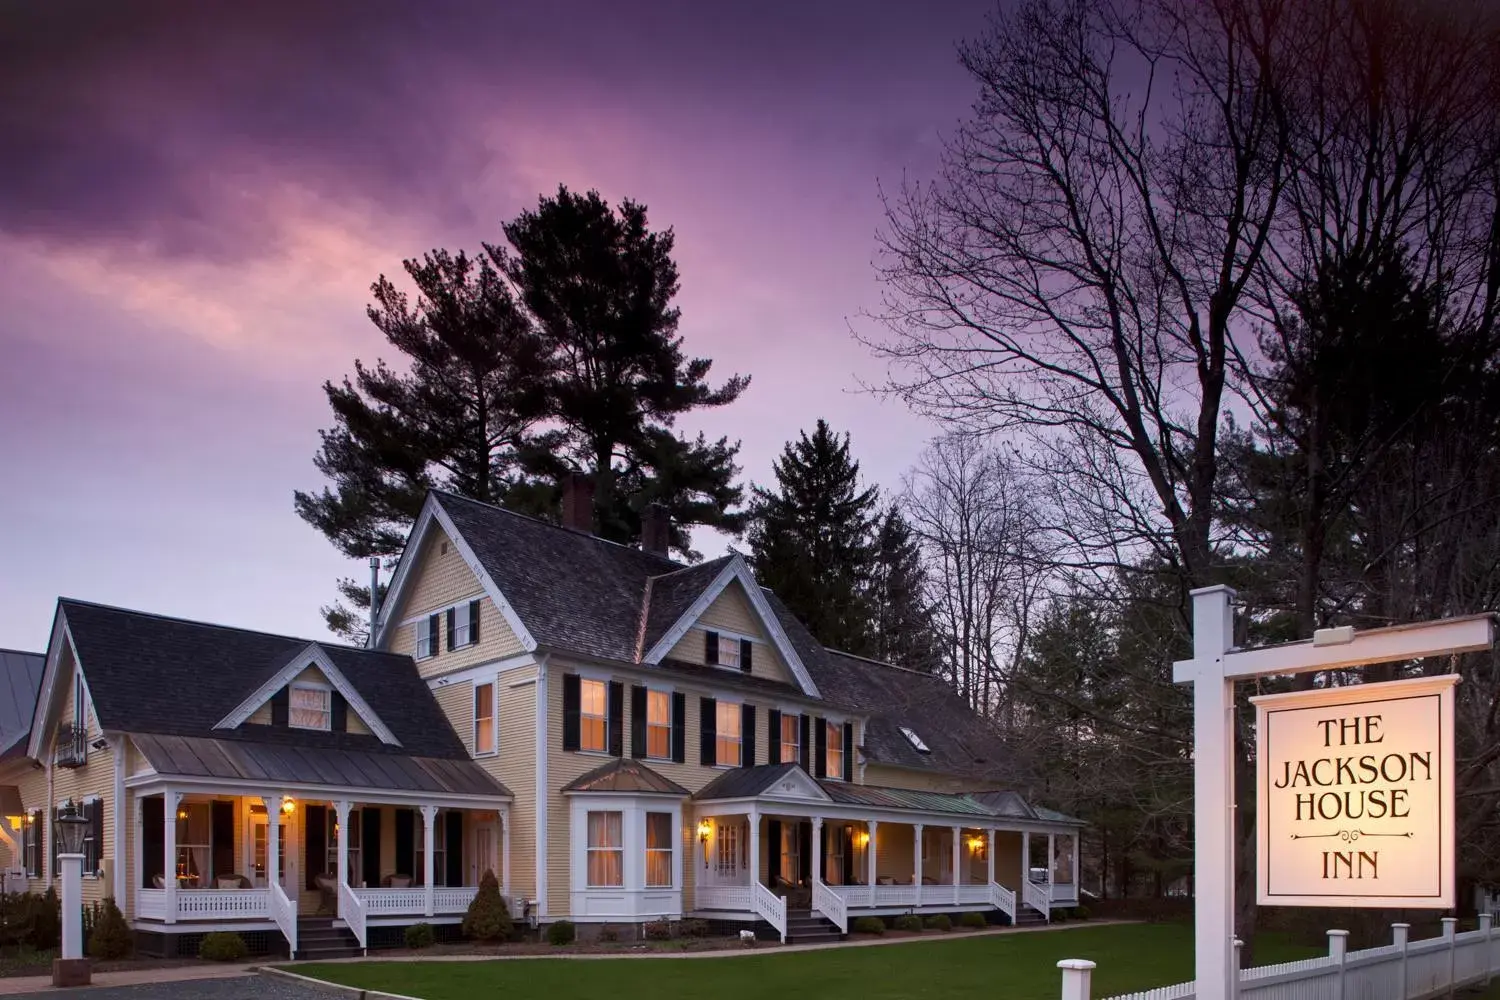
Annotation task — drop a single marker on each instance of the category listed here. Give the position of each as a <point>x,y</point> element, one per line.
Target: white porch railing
<point>352,911</point>
<point>1064,892</point>
<point>976,894</point>
<point>831,905</point>
<point>1038,897</point>
<point>413,901</point>
<point>1402,970</point>
<point>770,907</point>
<point>205,904</point>
<point>723,897</point>
<point>454,898</point>
<point>284,912</point>
<point>1003,900</point>
<point>151,904</point>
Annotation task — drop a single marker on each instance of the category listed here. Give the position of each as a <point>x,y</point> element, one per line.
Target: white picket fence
<point>1401,970</point>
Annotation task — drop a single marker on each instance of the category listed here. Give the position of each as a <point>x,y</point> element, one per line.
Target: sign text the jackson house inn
<point>1356,795</point>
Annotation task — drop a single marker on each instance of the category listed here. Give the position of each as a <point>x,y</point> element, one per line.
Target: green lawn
<point>1016,967</point>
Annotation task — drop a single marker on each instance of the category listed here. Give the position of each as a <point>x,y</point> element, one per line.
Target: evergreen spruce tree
<point>811,540</point>
<point>600,285</point>
<point>901,614</point>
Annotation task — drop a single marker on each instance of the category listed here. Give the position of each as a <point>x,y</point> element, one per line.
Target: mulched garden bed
<point>27,962</point>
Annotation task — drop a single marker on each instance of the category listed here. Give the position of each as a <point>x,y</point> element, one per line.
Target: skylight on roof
<point>915,740</point>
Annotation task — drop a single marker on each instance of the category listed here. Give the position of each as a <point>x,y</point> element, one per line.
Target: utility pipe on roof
<point>374,597</point>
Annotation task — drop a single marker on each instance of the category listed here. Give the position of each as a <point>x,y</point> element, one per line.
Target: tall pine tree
<point>811,540</point>
<point>601,284</point>
<point>901,625</point>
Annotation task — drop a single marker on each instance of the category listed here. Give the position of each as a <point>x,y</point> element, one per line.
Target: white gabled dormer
<point>309,692</point>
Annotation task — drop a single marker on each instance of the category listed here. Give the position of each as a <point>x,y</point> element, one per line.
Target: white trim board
<point>310,655</point>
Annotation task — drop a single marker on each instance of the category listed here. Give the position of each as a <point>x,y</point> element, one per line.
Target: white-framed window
<point>195,845</point>
<point>593,715</point>
<point>729,651</point>
<point>332,831</point>
<point>791,852</point>
<point>91,810</point>
<point>659,842</point>
<point>259,849</point>
<point>310,707</point>
<point>659,725</point>
<point>728,716</point>
<point>484,719</point>
<point>914,740</point>
<point>462,625</point>
<point>606,865</point>
<point>31,843</point>
<point>727,848</point>
<point>428,632</point>
<point>834,758</point>
<point>791,738</point>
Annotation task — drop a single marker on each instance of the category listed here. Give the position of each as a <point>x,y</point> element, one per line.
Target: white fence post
<point>1234,973</point>
<point>1486,924</point>
<point>1076,973</point>
<point>1450,934</point>
<point>1401,936</point>
<point>1338,949</point>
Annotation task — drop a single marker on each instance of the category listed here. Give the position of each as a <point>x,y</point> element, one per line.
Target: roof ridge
<point>640,632</point>
<point>878,663</point>
<point>684,569</point>
<point>557,527</point>
<point>228,628</point>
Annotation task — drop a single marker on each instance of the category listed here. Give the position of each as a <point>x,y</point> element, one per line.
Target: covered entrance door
<point>482,851</point>
<point>257,839</point>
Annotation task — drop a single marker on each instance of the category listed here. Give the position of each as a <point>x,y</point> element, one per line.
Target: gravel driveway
<point>251,987</point>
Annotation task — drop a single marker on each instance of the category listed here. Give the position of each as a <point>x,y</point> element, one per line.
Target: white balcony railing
<point>453,899</point>
<point>831,904</point>
<point>723,897</point>
<point>205,904</point>
<point>413,901</point>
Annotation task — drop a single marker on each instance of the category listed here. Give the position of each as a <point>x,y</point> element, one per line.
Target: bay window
<point>727,719</point>
<point>606,849</point>
<point>658,850</point>
<point>593,715</point>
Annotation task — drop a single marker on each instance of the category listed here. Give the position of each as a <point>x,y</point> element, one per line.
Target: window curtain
<point>658,849</point>
<point>606,849</point>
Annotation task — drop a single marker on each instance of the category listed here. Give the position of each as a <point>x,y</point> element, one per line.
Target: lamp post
<point>71,969</point>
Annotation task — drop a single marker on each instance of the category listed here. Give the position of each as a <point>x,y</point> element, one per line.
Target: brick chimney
<point>656,529</point>
<point>578,502</point>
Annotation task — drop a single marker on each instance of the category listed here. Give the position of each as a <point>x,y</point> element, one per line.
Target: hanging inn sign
<point>1355,795</point>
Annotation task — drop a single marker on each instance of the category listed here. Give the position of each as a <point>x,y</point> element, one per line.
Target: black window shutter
<point>616,722</point>
<point>807,747</point>
<point>846,839</point>
<point>745,647</point>
<point>434,634</point>
<point>222,815</point>
<point>708,735</point>
<point>452,629</point>
<point>679,727</point>
<point>473,622</point>
<point>710,647</point>
<point>820,748</point>
<point>773,737</point>
<point>406,843</point>
<point>279,704</point>
<point>637,721</point>
<point>314,843</point>
<point>572,703</point>
<point>848,751</point>
<point>55,839</point>
<point>339,716</point>
<point>153,840</point>
<point>96,822</point>
<point>453,834</point>
<point>747,735</point>
<point>773,855</point>
<point>369,845</point>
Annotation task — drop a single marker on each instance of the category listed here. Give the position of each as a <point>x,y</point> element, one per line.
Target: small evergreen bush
<point>693,927</point>
<point>488,918</point>
<point>1059,916</point>
<point>909,922</point>
<point>44,920</point>
<point>420,936</point>
<point>869,925</point>
<point>658,930</point>
<point>940,922</point>
<point>973,921</point>
<point>561,933</point>
<point>110,937</point>
<point>222,946</point>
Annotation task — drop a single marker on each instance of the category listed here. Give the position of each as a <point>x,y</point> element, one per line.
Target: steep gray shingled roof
<point>20,679</point>
<point>152,674</point>
<point>669,596</point>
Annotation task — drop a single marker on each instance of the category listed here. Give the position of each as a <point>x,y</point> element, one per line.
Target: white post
<point>1025,857</point>
<point>1400,936</point>
<point>273,839</point>
<point>429,818</point>
<point>341,817</point>
<point>754,818</point>
<point>1077,842</point>
<point>817,850</point>
<point>958,835</point>
<point>1450,934</point>
<point>870,859</point>
<point>916,864</point>
<point>1076,973</point>
<point>1234,978</point>
<point>505,854</point>
<point>169,802</point>
<point>1051,861</point>
<point>1338,949</point>
<point>989,856</point>
<point>1486,924</point>
<point>72,905</point>
<point>1213,791</point>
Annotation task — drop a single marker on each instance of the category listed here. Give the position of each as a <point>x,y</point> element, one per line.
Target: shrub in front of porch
<point>909,922</point>
<point>110,936</point>
<point>488,918</point>
<point>940,922</point>
<point>562,932</point>
<point>658,930</point>
<point>420,936</point>
<point>222,946</point>
<point>869,925</point>
<point>973,921</point>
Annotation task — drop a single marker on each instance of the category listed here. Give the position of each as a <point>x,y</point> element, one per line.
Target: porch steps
<point>1027,917</point>
<point>318,939</point>
<point>807,927</point>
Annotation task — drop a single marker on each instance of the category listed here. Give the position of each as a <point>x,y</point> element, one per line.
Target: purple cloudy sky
<point>195,198</point>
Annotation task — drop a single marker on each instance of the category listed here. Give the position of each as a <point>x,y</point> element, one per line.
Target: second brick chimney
<point>578,502</point>
<point>656,529</point>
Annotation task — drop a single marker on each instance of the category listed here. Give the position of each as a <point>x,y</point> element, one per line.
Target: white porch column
<point>916,862</point>
<point>989,856</point>
<point>429,818</point>
<point>817,850</point>
<point>958,836</point>
<point>341,817</point>
<point>170,799</point>
<point>870,858</point>
<point>504,853</point>
<point>1077,851</point>
<point>137,851</point>
<point>1051,860</point>
<point>1025,856</point>
<point>273,838</point>
<point>754,818</point>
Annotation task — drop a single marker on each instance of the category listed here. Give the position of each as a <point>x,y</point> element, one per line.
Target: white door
<point>482,851</point>
<point>259,844</point>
